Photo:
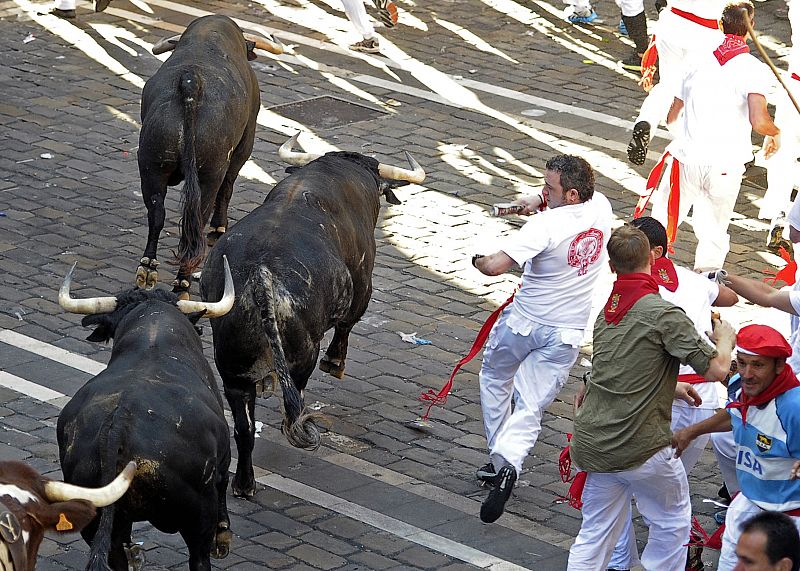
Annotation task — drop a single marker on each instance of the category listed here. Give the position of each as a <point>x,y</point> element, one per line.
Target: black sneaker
<point>486,474</point>
<point>694,558</point>
<point>100,5</point>
<point>495,503</point>
<point>637,148</point>
<point>723,493</point>
<point>59,13</point>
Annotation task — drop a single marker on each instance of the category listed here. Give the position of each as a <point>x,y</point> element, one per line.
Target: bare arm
<point>674,111</point>
<point>720,422</point>
<point>759,115</point>
<point>531,202</point>
<point>760,293</point>
<point>494,264</point>
<point>724,338</point>
<point>726,298</point>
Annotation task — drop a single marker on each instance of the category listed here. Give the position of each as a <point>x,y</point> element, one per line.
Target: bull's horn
<point>165,45</point>
<point>88,306</point>
<point>264,44</point>
<point>213,309</point>
<point>286,153</point>
<point>415,175</point>
<point>98,497</point>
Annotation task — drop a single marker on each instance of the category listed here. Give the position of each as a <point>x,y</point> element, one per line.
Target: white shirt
<point>794,338</point>
<point>708,9</point>
<point>695,295</point>
<point>714,128</point>
<point>561,251</point>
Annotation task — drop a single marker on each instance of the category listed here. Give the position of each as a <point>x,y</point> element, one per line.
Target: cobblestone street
<point>481,93</point>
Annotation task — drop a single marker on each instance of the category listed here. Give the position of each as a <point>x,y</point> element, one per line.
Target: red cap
<point>762,340</point>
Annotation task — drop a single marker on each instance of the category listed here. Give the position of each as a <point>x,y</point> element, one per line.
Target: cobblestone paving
<point>69,191</point>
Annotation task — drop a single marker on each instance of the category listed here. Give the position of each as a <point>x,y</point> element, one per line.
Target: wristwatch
<point>475,258</point>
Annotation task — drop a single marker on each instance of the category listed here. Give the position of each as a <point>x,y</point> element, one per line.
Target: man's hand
<point>722,331</point>
<point>771,145</point>
<point>795,473</point>
<point>680,441</point>
<point>576,404</point>
<point>686,392</point>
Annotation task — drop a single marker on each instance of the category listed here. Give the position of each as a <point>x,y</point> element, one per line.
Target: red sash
<point>663,271</point>
<point>441,397</point>
<point>649,67</point>
<point>674,200</point>
<point>627,290</point>
<point>712,24</point>
<point>730,47</point>
<point>785,381</point>
<point>795,76</point>
<point>691,378</point>
<point>575,493</point>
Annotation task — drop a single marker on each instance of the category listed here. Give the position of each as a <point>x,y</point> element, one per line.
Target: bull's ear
<point>195,316</point>
<point>104,330</point>
<point>390,196</point>
<point>68,517</point>
<point>251,55</point>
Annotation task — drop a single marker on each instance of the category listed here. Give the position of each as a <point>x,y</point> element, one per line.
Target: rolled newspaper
<point>506,209</point>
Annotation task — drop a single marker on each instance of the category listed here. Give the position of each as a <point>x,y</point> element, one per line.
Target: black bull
<point>198,124</point>
<point>302,264</point>
<point>156,403</point>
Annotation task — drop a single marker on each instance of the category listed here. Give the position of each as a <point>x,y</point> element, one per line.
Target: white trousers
<point>625,554</point>
<point>725,450</point>
<point>579,5</point>
<point>533,368</point>
<point>740,510</point>
<point>65,4</point>
<point>712,191</point>
<point>783,172</point>
<point>662,495</point>
<point>630,8</point>
<point>357,14</point>
<point>678,41</point>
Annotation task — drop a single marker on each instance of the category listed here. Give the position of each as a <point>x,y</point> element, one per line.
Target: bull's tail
<point>191,247</point>
<point>101,543</point>
<point>298,423</point>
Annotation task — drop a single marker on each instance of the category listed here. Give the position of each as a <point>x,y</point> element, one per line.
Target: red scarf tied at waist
<point>627,290</point>
<point>785,381</point>
<point>731,47</point>
<point>663,271</point>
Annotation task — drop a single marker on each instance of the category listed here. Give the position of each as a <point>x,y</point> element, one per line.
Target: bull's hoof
<point>147,273</point>
<point>214,235</point>
<point>222,543</point>
<point>334,367</point>
<point>181,288</point>
<point>246,492</point>
<point>135,555</point>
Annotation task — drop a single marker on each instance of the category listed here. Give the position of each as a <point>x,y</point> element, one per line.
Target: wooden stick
<point>764,55</point>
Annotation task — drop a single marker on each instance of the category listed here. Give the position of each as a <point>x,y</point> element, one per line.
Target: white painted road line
<point>303,491</point>
<point>51,352</point>
<point>389,524</point>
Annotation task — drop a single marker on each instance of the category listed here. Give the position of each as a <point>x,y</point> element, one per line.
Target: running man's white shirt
<point>715,127</point>
<point>560,264</point>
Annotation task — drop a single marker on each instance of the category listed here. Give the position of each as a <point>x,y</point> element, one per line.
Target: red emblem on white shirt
<point>585,249</point>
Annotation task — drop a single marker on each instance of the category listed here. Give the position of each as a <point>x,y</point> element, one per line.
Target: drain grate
<point>326,112</point>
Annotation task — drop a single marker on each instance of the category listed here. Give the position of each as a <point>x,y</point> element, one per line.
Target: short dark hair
<point>628,249</point>
<point>574,172</point>
<point>654,230</point>
<point>783,539</point>
<point>733,17</point>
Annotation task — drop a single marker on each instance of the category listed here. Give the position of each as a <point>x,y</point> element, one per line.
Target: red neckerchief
<point>663,271</point>
<point>627,290</point>
<point>731,47</point>
<point>783,382</point>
